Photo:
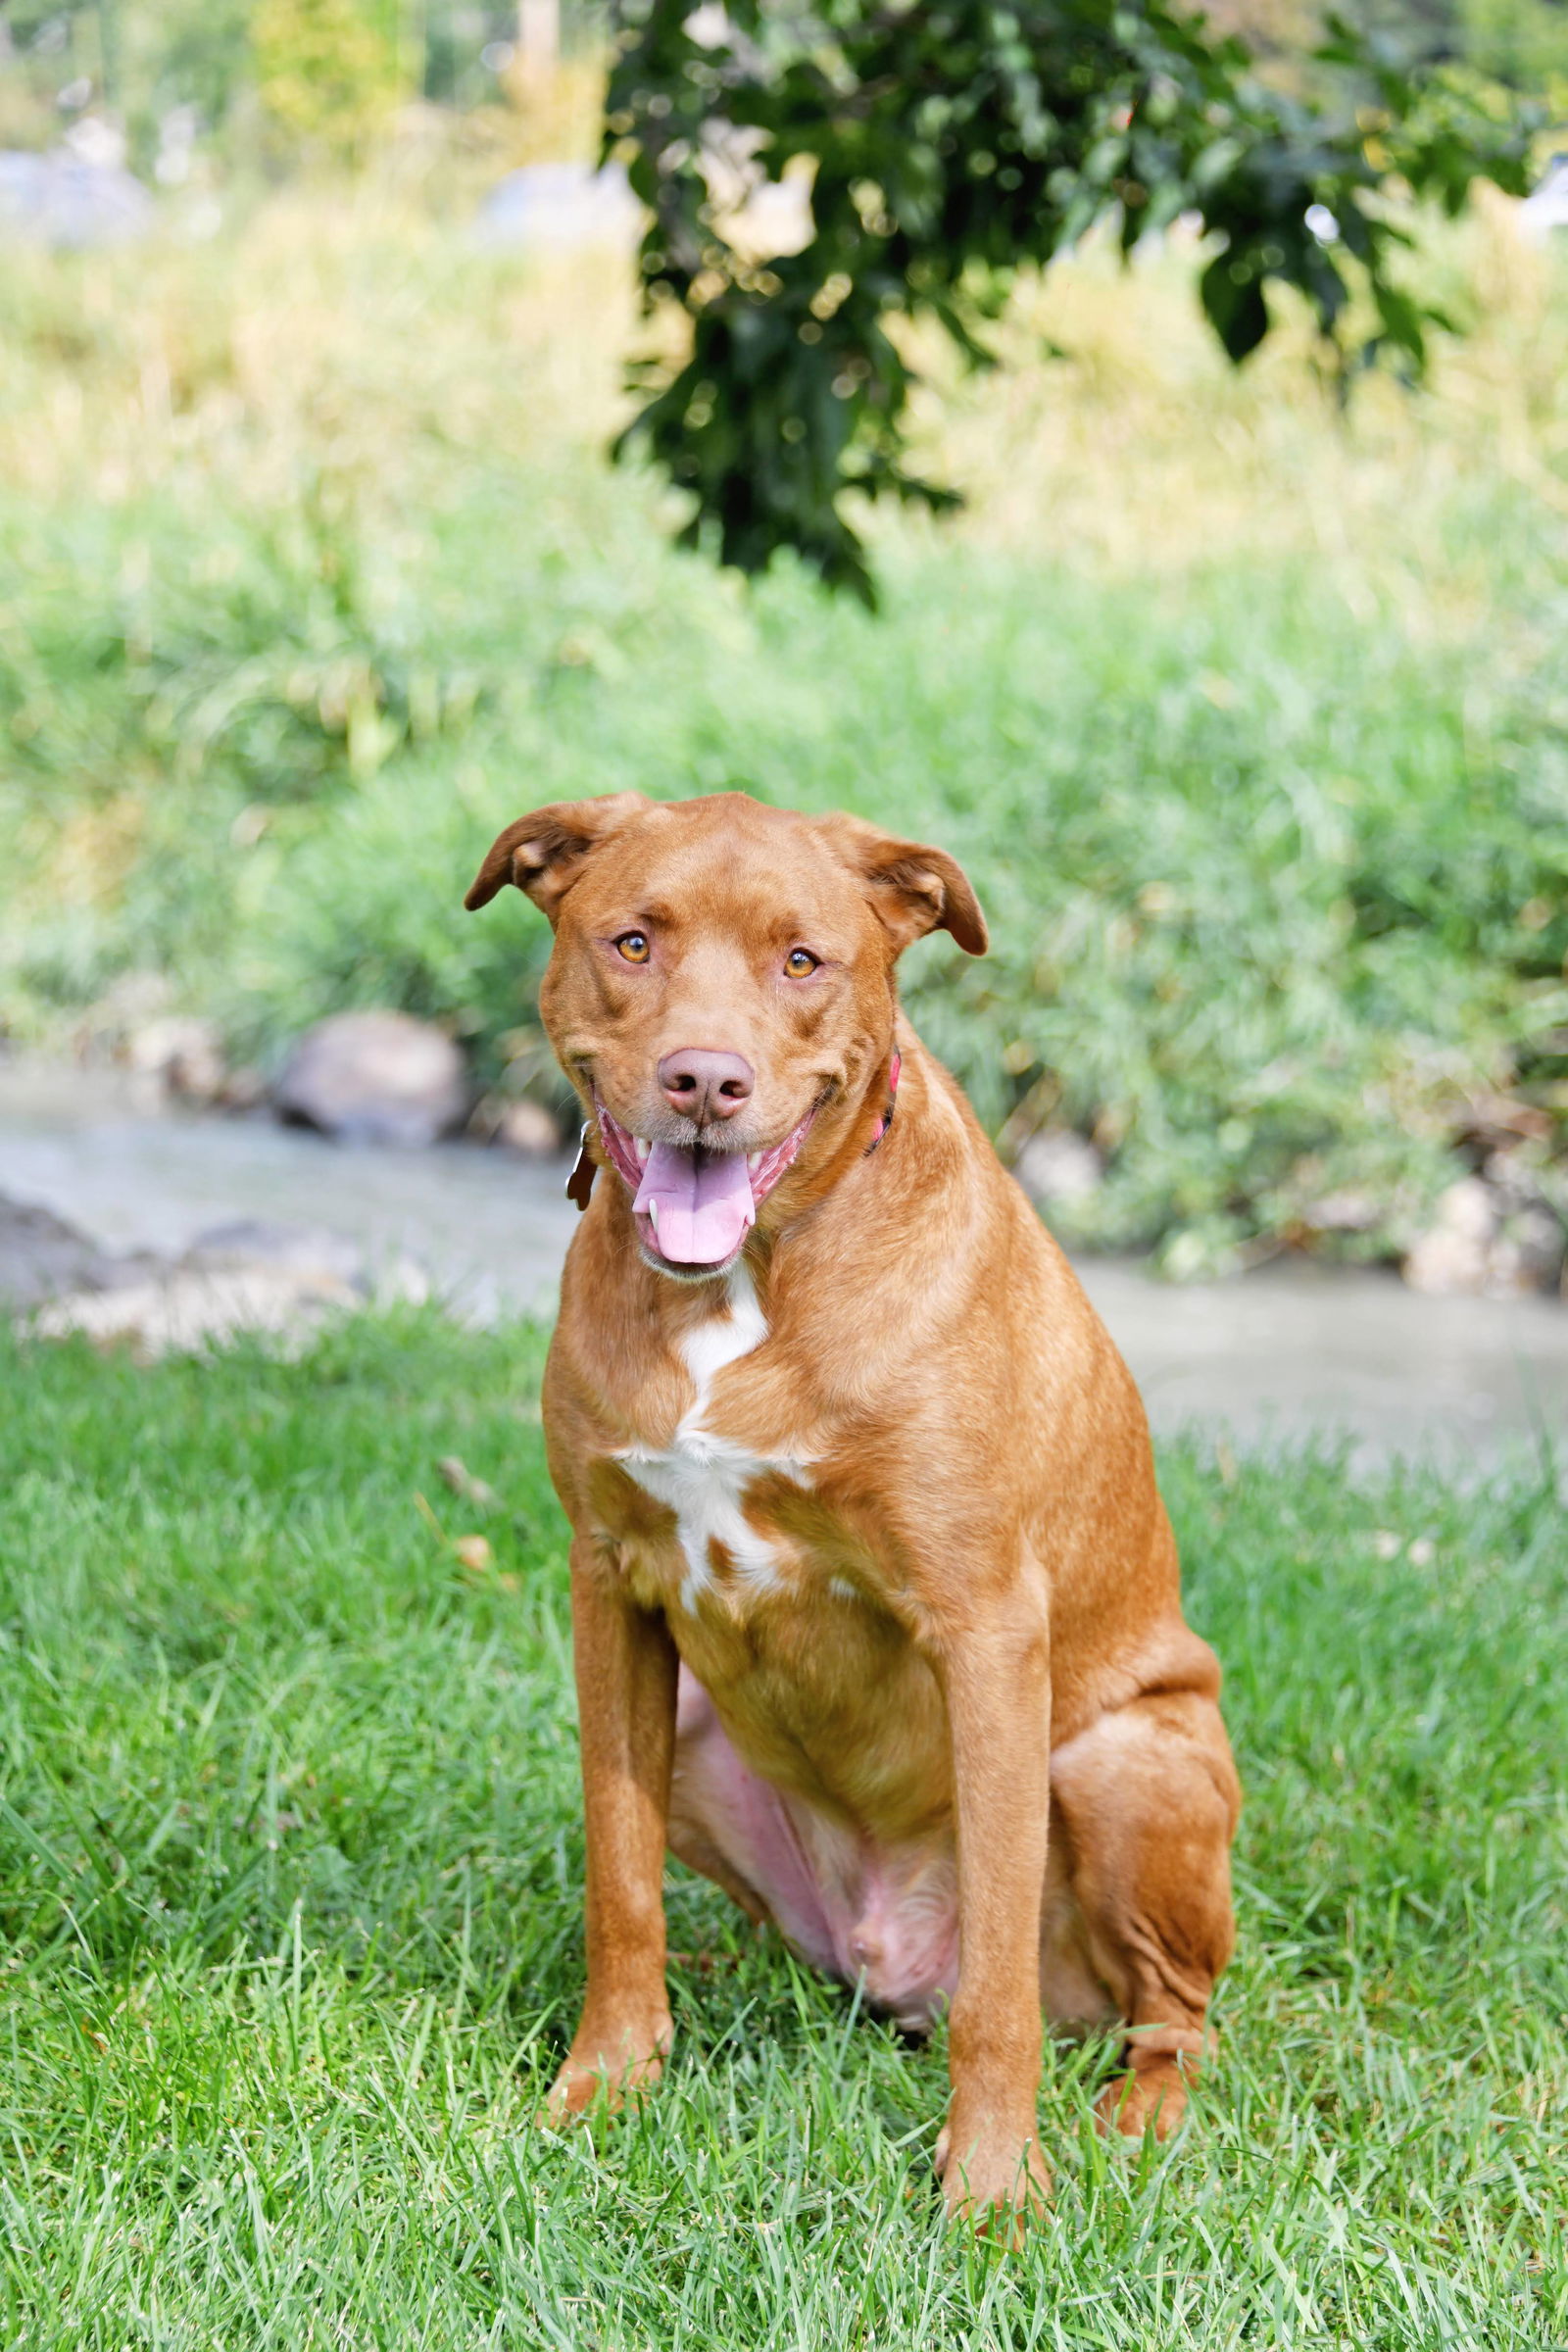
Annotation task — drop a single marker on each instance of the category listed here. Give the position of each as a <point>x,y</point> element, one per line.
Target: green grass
<point>290,1863</point>
<point>1248,718</point>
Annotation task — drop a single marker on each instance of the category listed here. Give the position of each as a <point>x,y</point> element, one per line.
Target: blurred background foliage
<point>277,79</point>
<point>274,83</point>
<point>1248,713</point>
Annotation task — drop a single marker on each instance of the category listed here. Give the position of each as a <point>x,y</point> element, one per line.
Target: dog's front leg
<point>995,1676</point>
<point>626,1666</point>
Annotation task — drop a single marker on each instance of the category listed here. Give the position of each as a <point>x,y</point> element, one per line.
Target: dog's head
<point>721,992</point>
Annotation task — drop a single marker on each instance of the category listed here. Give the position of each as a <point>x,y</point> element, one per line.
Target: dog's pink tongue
<point>699,1207</point>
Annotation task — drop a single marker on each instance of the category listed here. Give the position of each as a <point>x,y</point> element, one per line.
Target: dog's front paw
<point>998,2185</point>
<point>620,2058</point>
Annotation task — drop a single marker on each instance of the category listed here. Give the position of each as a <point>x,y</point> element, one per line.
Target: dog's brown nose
<point>705,1085</point>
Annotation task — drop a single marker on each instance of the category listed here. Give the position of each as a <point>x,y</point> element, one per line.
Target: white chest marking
<point>702,1477</point>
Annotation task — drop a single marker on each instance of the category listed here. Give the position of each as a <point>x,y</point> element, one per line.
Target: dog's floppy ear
<point>544,854</point>
<point>913,889</point>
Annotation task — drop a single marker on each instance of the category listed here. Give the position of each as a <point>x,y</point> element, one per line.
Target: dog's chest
<point>705,1478</point>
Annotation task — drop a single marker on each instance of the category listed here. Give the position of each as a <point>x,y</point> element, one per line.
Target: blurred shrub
<point>1524,40</point>
<point>328,73</point>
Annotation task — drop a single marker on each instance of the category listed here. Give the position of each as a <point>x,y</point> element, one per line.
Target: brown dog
<point>876,1608</point>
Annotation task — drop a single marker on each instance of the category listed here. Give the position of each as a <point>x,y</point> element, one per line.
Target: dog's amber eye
<point>800,961</point>
<point>633,945</point>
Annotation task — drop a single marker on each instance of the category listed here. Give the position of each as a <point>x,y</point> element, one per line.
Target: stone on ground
<point>245,1276</point>
<point>374,1078</point>
<point>41,1257</point>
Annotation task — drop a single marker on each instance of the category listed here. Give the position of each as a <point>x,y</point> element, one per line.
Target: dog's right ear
<point>544,854</point>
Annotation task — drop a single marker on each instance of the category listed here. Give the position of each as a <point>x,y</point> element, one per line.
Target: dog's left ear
<point>913,889</point>
<point>544,854</point>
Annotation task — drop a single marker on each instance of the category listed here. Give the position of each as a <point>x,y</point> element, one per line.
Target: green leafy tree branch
<point>950,147</point>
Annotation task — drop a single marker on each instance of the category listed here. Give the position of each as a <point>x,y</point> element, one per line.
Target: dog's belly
<point>883,1913</point>
<point>879,1913</point>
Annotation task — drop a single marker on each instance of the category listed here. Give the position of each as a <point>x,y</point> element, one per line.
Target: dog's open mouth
<point>695,1207</point>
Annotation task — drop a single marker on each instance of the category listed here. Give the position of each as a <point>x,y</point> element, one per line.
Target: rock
<point>1347,1211</point>
<point>374,1078</point>
<point>1544,212</point>
<point>1528,1255</point>
<point>527,1127</point>
<point>1058,1165</point>
<point>560,208</point>
<point>70,200</point>
<point>244,1088</point>
<point>132,998</point>
<point>312,1256</point>
<point>1526,1252</point>
<point>246,1276</point>
<point>1490,1238</point>
<point>1453,1254</point>
<point>192,1310</point>
<point>304,1253</point>
<point>41,1257</point>
<point>184,1054</point>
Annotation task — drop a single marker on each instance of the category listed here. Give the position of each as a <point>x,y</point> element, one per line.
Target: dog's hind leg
<point>1149,1799</point>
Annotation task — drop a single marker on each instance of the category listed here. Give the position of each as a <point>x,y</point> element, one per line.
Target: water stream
<point>1291,1351</point>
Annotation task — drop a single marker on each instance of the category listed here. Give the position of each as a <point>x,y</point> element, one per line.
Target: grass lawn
<point>290,1860</point>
